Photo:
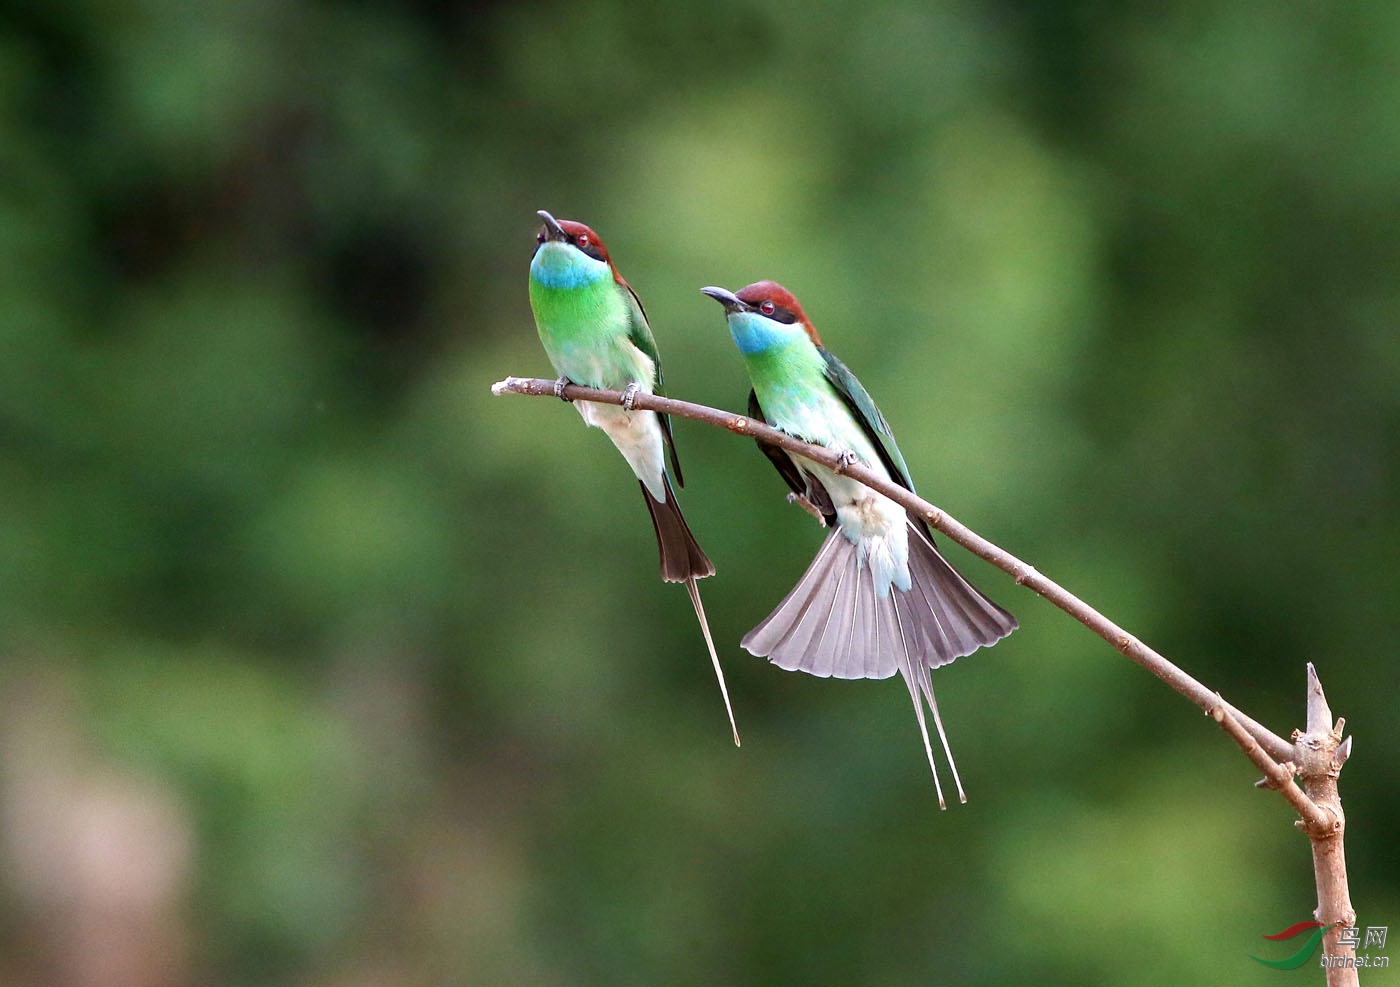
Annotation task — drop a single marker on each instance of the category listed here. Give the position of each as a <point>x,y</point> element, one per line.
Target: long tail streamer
<point>693,588</point>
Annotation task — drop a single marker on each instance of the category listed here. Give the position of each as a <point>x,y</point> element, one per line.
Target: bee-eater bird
<point>878,598</point>
<point>595,332</point>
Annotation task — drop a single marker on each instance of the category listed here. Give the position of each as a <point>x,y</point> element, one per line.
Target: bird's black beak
<point>552,229</point>
<point>731,302</point>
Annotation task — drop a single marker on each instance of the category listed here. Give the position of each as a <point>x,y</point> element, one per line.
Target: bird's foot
<point>846,460</point>
<point>629,395</point>
<point>559,386</point>
<point>811,508</point>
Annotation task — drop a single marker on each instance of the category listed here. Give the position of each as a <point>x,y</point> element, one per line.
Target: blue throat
<point>558,265</point>
<point>753,333</point>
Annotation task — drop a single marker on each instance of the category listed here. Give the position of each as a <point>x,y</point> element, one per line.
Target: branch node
<point>1327,824</point>
<point>737,425</point>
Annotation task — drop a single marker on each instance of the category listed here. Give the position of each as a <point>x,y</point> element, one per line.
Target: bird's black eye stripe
<point>590,248</point>
<point>781,314</point>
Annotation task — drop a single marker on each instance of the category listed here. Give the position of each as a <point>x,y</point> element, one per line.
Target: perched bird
<point>595,332</point>
<point>878,598</point>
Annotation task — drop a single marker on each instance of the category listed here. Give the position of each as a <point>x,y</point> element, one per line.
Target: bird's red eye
<point>767,308</point>
<point>539,238</point>
<point>583,239</point>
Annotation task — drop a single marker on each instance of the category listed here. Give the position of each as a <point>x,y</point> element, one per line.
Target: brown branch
<point>1316,756</point>
<point>1321,752</point>
<point>1026,575</point>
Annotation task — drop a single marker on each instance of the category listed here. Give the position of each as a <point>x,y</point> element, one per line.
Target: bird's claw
<point>845,460</point>
<point>629,395</point>
<point>801,501</point>
<point>559,386</point>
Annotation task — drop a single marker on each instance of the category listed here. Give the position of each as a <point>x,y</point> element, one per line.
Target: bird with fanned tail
<point>878,598</point>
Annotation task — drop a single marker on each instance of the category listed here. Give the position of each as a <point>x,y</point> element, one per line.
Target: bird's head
<point>762,315</point>
<point>569,254</point>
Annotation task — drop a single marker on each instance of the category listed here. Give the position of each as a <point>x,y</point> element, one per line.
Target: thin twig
<point>1276,747</point>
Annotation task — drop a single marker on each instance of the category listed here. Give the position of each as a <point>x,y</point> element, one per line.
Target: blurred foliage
<point>393,653</point>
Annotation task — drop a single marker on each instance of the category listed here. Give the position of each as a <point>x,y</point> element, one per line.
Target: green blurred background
<point>325,667</point>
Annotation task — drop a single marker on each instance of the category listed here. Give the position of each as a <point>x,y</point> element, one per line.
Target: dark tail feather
<point>682,561</point>
<point>834,624</point>
<point>681,557</point>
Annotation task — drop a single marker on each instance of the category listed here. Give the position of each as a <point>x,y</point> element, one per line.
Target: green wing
<point>639,332</point>
<point>863,407</point>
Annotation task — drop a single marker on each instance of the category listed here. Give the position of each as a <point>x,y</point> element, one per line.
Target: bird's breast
<point>820,417</point>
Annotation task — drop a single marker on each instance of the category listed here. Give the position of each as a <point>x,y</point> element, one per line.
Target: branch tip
<point>1343,752</point>
<point>1319,714</point>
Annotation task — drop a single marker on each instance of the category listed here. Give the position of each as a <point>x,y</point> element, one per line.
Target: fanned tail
<point>835,624</point>
<point>682,561</point>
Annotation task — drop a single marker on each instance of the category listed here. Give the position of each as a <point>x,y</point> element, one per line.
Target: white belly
<point>637,435</point>
<point>874,523</point>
